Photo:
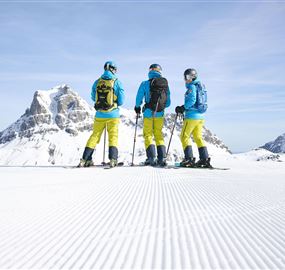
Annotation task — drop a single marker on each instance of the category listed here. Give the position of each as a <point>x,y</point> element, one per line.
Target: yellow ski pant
<point>112,125</point>
<point>152,127</point>
<point>192,127</point>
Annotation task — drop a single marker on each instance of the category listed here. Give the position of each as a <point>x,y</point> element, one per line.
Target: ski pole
<point>176,116</point>
<point>104,163</point>
<point>137,117</point>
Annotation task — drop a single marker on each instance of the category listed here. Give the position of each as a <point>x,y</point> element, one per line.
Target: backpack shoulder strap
<point>197,84</point>
<point>151,81</point>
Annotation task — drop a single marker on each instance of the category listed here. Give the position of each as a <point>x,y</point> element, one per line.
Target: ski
<point>76,167</point>
<point>107,165</point>
<point>141,164</point>
<point>122,164</point>
<point>177,166</point>
<point>102,165</point>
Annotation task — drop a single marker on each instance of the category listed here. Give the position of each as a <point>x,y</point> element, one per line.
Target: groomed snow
<point>141,217</point>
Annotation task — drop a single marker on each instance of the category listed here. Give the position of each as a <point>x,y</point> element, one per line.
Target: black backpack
<point>158,94</point>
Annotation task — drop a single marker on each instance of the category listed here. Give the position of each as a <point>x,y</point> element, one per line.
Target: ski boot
<point>150,153</point>
<point>204,163</point>
<point>86,160</point>
<point>161,163</point>
<point>161,156</point>
<point>150,162</point>
<point>85,163</point>
<point>113,163</point>
<point>189,163</point>
<point>188,160</point>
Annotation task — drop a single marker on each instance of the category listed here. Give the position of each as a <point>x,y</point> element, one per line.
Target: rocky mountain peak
<point>276,146</point>
<point>57,109</point>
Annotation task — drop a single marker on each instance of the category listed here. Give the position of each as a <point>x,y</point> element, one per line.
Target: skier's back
<point>107,93</point>
<point>156,95</point>
<point>193,123</point>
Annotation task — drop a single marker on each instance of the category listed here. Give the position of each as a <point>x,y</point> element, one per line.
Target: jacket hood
<point>153,74</point>
<point>108,75</point>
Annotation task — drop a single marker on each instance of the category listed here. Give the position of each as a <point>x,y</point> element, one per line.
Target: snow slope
<point>135,218</point>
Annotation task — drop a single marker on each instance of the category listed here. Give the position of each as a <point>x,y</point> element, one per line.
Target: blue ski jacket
<point>118,91</point>
<point>190,100</point>
<point>143,94</point>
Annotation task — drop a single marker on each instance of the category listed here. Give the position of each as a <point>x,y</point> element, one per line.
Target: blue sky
<point>238,49</point>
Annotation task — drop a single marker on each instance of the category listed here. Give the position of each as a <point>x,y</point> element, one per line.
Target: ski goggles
<point>113,69</point>
<point>155,67</point>
<point>189,77</point>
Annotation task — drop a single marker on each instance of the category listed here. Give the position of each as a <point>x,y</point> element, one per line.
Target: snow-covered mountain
<point>55,128</point>
<point>260,154</point>
<point>276,146</point>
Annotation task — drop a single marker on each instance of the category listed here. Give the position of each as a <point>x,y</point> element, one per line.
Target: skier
<point>193,123</point>
<point>107,93</point>
<point>156,95</point>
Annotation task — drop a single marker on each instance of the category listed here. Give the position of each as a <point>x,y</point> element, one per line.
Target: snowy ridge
<point>142,218</point>
<point>260,154</point>
<point>54,131</point>
<point>276,146</point>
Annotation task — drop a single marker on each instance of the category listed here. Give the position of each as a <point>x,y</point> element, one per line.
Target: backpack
<point>201,98</point>
<point>158,94</point>
<point>105,97</point>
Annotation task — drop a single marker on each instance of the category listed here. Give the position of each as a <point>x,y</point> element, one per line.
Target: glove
<point>138,110</point>
<point>180,109</point>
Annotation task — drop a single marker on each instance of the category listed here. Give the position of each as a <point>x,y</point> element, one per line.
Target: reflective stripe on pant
<point>195,127</point>
<point>112,125</point>
<point>152,127</point>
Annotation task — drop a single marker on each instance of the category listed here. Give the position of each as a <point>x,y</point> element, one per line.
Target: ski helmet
<point>155,67</point>
<point>190,74</point>
<point>111,66</point>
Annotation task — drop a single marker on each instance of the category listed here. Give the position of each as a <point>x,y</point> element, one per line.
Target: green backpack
<point>105,96</point>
